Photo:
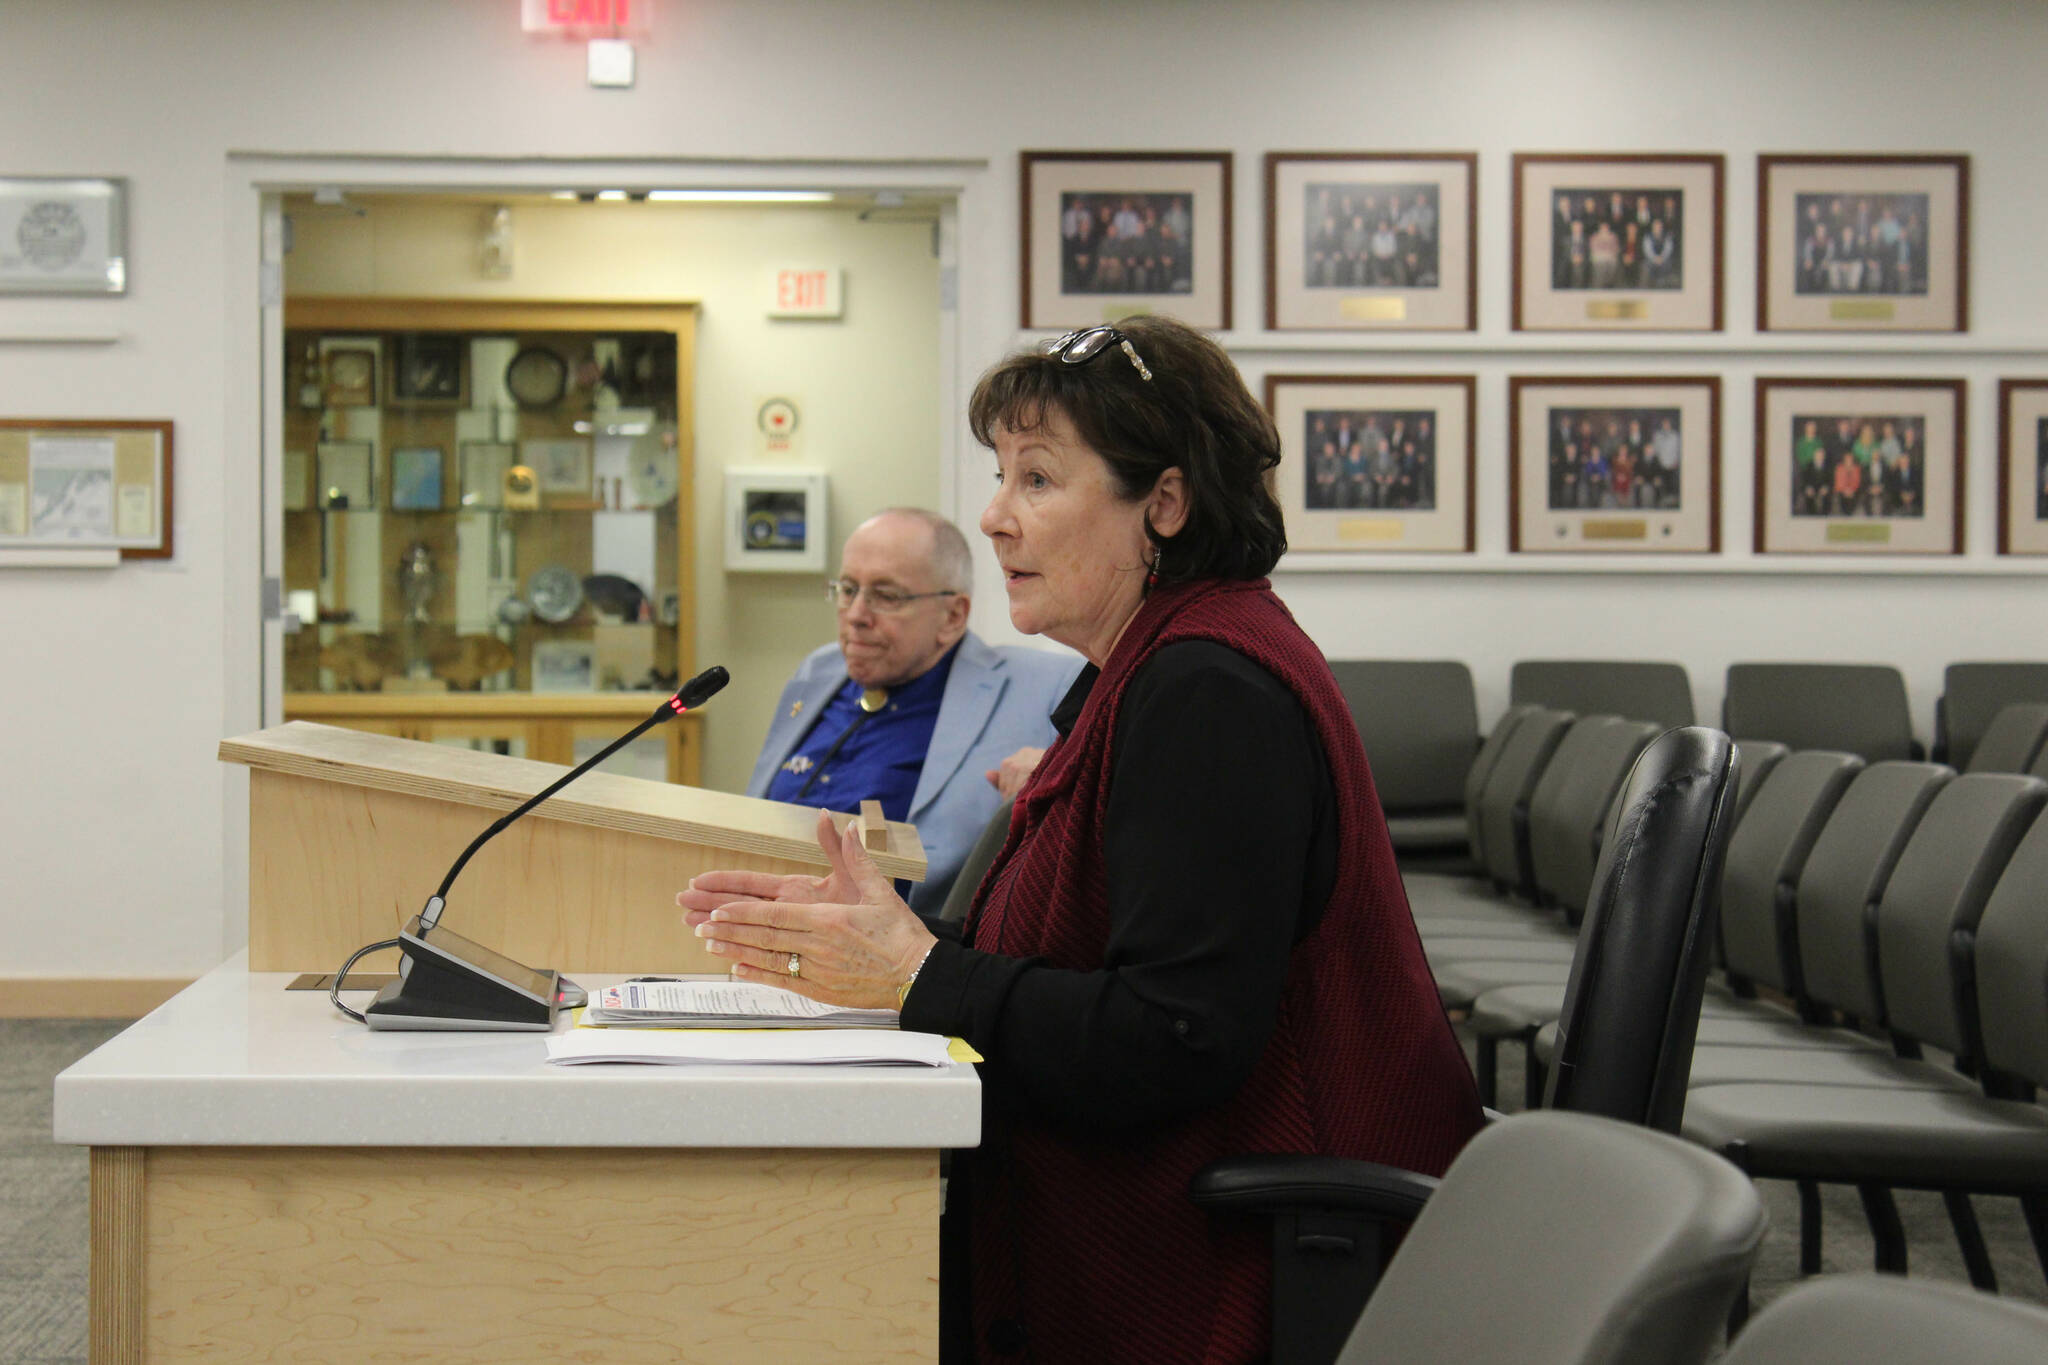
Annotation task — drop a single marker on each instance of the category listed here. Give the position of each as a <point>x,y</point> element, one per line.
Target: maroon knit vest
<point>1091,1241</point>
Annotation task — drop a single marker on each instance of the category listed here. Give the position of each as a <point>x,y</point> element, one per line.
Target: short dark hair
<point>1194,414</point>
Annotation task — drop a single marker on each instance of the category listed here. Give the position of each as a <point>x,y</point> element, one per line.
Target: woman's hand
<point>854,939</point>
<point>1015,771</point>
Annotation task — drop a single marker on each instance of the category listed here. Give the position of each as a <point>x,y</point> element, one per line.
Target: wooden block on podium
<point>351,832</point>
<point>874,830</point>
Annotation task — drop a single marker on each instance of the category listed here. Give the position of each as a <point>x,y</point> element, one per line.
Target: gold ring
<point>796,964</point>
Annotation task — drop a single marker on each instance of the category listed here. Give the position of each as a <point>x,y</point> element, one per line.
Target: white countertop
<point>237,1060</point>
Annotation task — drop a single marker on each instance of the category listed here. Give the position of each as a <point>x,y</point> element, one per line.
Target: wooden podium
<point>350,832</point>
<point>271,1182</point>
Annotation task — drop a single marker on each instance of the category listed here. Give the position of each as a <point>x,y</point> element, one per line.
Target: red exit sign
<point>804,291</point>
<point>586,16</point>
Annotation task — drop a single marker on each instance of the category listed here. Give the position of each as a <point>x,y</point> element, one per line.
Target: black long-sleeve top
<point>1220,850</point>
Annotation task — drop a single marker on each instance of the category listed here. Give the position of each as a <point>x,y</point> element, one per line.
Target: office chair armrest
<point>1269,1183</point>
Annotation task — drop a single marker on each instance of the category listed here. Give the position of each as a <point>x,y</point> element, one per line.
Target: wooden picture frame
<point>1404,258</point>
<point>2023,466</point>
<point>1375,464</point>
<point>1614,464</point>
<point>349,368</point>
<point>429,370</point>
<point>1808,427</point>
<point>1627,242</point>
<point>1863,243</point>
<point>87,484</point>
<point>1142,199</point>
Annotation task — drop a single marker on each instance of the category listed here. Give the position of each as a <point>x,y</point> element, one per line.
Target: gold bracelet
<point>903,991</point>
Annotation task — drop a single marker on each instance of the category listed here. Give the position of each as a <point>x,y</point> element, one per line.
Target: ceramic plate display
<point>555,593</point>
<point>653,471</point>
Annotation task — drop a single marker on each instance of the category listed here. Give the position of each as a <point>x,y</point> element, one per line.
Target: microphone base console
<point>446,982</point>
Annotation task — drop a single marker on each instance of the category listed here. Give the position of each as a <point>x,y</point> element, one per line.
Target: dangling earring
<point>1152,574</point>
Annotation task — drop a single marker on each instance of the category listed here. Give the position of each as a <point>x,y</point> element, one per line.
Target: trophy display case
<point>486,517</point>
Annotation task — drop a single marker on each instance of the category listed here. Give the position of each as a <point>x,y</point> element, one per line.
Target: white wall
<point>113,816</point>
<point>866,384</point>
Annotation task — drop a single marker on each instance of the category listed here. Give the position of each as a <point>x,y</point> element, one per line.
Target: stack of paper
<point>743,1047</point>
<point>720,1004</point>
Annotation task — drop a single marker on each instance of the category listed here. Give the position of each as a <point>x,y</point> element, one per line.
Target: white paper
<point>134,511</point>
<point>722,1004</point>
<point>749,1047</point>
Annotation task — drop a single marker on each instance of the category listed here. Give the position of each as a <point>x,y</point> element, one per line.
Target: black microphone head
<point>703,687</point>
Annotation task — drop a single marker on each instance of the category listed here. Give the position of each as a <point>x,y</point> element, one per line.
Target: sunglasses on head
<point>1078,348</point>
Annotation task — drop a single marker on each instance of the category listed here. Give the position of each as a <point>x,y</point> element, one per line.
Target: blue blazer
<point>998,700</point>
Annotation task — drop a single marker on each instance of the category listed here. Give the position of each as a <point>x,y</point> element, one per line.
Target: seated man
<point>910,708</point>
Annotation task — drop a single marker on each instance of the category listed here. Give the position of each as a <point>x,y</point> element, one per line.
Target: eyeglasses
<point>1078,348</point>
<point>844,592</point>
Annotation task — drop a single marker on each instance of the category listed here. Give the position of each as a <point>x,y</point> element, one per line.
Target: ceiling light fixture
<point>741,196</point>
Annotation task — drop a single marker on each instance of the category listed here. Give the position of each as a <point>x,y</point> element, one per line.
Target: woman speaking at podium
<point>1194,943</point>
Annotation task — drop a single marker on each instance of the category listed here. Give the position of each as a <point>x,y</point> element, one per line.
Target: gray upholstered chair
<point>1759,756</point>
<point>1659,692</point>
<point>1625,1041</point>
<point>1419,720</point>
<point>1644,1243</point>
<point>1858,708</point>
<point>1962,965</point>
<point>1568,814</point>
<point>960,898</point>
<point>1765,857</point>
<point>1972,695</point>
<point>1502,810</point>
<point>2013,740</point>
<point>1856,1319</point>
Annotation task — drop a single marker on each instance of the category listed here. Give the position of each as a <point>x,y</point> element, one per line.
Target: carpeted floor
<point>43,1262</point>
<point>43,1243</point>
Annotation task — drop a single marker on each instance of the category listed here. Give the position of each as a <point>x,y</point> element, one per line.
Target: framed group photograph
<point>1859,466</point>
<point>2023,466</point>
<point>62,235</point>
<point>1613,463</point>
<point>1109,234</point>
<point>1863,243</point>
<point>1375,463</point>
<point>1609,242</point>
<point>86,485</point>
<point>1369,241</point>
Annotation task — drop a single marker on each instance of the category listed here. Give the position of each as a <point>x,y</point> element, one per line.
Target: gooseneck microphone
<point>447,982</point>
<point>689,697</point>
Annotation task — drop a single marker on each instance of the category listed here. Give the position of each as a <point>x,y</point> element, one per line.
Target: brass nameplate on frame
<point>1375,309</point>
<point>1617,310</point>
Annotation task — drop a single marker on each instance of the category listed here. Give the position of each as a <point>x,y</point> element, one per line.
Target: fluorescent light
<point>563,194</point>
<point>741,196</point>
<point>610,195</point>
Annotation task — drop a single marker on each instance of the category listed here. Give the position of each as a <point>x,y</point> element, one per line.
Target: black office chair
<point>1625,1043</point>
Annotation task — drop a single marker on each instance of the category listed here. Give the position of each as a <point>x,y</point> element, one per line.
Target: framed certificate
<point>94,485</point>
<point>63,236</point>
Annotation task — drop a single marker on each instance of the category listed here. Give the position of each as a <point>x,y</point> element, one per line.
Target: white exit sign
<point>586,18</point>
<point>804,291</point>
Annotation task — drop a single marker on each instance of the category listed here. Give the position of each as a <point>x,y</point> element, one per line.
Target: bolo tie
<point>872,700</point>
